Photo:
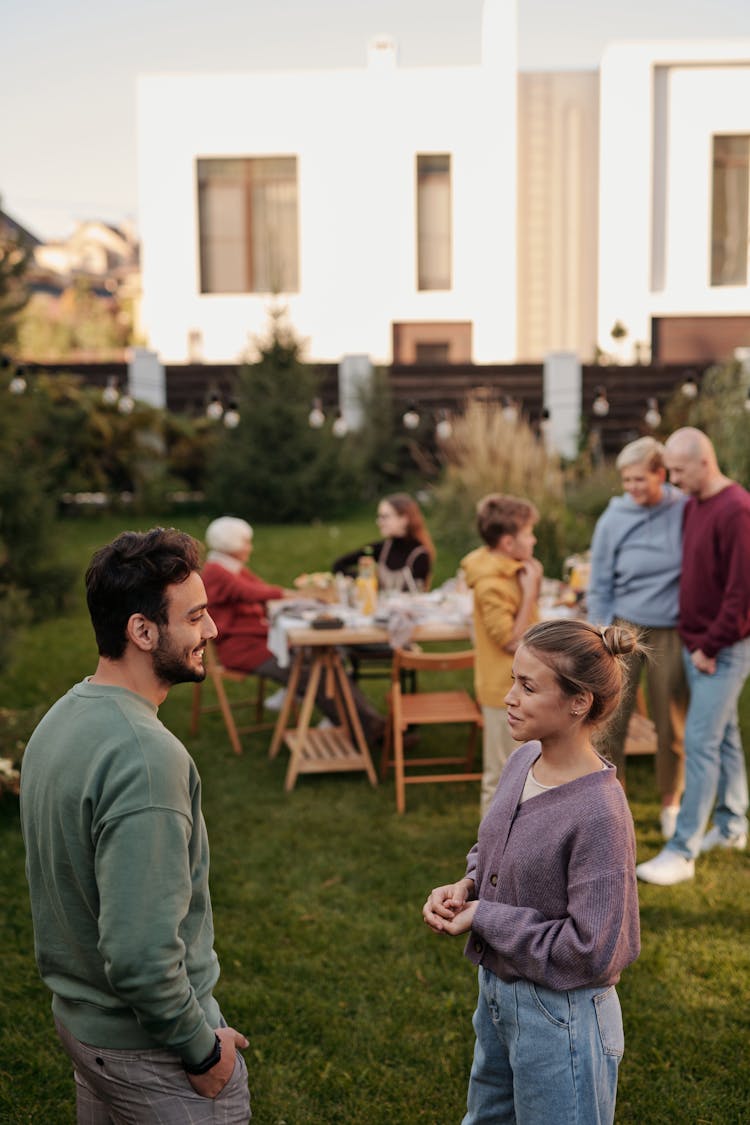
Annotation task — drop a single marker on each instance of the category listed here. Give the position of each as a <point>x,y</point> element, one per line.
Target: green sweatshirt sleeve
<point>149,927</point>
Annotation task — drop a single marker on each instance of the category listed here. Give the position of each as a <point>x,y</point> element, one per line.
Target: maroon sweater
<point>555,879</point>
<point>237,603</point>
<point>715,580</point>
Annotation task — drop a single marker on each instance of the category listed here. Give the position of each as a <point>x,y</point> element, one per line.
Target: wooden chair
<point>218,676</point>
<point>373,662</point>
<point>423,708</point>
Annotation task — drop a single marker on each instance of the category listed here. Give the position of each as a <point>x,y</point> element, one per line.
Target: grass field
<point>355,1012</point>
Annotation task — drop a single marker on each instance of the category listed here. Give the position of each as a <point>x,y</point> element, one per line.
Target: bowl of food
<point>321,585</point>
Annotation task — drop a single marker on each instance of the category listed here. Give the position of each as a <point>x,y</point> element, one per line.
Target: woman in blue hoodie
<point>636,558</point>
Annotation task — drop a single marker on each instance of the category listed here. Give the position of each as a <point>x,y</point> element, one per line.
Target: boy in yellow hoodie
<point>505,579</point>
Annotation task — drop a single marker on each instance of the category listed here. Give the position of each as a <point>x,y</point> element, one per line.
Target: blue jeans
<point>542,1056</point>
<point>714,760</point>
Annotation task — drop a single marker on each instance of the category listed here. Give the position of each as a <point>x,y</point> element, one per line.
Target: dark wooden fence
<point>434,388</point>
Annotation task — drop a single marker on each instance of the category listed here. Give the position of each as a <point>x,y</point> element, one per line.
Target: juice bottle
<point>366,586</point>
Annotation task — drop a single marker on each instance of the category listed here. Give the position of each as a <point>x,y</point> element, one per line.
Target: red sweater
<point>237,603</point>
<point>715,580</point>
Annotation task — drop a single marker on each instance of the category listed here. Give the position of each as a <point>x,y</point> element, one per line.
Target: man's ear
<point>142,632</point>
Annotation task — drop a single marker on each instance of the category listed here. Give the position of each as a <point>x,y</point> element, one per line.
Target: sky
<point>68,80</point>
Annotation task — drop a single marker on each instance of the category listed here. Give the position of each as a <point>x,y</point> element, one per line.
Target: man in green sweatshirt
<point>117,856</point>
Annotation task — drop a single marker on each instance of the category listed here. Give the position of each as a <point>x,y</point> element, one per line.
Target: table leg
<point>352,716</point>
<point>303,722</point>
<point>286,708</point>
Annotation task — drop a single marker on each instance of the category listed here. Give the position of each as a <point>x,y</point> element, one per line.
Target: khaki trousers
<point>148,1088</point>
<point>667,704</point>
<point>497,746</point>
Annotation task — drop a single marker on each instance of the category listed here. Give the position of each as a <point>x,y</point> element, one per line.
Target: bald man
<point>714,625</point>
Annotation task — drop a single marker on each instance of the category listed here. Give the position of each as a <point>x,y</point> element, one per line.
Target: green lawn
<point>355,1012</point>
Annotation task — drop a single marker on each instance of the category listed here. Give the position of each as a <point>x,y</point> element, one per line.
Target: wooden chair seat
<point>424,708</point>
<point>218,676</point>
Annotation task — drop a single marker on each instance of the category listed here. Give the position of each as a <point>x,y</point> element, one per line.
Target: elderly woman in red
<point>237,600</point>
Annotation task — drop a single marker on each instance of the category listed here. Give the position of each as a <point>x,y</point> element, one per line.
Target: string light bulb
<point>232,416</point>
<point>214,410</point>
<point>600,405</point>
<point>444,427</point>
<point>110,394</point>
<point>410,418</point>
<point>652,416</point>
<point>510,410</point>
<point>316,418</point>
<point>340,427</point>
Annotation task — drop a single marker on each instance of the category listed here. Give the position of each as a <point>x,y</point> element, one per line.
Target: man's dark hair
<point>131,575</point>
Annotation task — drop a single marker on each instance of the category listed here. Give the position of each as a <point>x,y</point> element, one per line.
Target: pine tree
<point>274,466</point>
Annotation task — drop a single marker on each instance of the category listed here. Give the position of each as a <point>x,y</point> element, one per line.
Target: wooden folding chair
<point>423,708</point>
<point>218,676</point>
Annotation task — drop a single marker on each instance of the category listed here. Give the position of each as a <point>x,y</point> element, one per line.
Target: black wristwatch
<point>210,1061</point>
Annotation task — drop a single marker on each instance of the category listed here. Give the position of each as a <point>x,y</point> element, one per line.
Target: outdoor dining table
<point>339,747</point>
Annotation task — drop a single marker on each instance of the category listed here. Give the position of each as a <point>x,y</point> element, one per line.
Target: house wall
<point>661,104</point>
<point>356,135</point>
<point>558,178</point>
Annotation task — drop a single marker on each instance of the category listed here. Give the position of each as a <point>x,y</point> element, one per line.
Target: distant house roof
<point>11,226</point>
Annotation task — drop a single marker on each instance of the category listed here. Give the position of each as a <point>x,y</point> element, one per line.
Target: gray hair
<point>645,451</point>
<point>227,534</point>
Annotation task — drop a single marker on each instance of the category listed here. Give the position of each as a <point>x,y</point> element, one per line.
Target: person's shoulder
<point>738,496</point>
<point>150,763</point>
<point>214,574</point>
<point>673,497</point>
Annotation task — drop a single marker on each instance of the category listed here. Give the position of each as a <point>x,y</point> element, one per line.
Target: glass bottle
<point>366,586</point>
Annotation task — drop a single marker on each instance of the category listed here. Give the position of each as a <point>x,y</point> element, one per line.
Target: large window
<point>434,233</point>
<point>730,221</point>
<point>247,221</point>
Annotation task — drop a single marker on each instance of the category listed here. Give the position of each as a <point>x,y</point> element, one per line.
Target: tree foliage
<point>720,409</point>
<point>15,257</point>
<point>274,466</point>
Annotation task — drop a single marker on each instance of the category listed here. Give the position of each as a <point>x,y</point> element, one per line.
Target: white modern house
<point>378,204</point>
<point>455,213</point>
<point>673,197</point>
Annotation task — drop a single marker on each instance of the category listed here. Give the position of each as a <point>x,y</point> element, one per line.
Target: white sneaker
<point>276,701</point>
<point>668,820</point>
<point>666,868</point>
<point>715,839</point>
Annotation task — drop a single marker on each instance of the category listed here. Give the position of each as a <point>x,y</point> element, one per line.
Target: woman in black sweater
<point>404,555</point>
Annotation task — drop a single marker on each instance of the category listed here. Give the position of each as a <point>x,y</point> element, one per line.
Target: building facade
<point>673,209</point>
<point>377,204</point>
<point>452,214</point>
<point>557,228</point>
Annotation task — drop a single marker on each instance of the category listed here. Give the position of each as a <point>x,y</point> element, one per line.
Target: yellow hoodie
<point>497,599</point>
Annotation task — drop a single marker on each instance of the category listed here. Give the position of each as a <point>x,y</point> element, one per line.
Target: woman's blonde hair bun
<point>618,640</point>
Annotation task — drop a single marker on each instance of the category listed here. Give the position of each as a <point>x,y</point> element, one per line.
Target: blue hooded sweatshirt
<point>636,558</point>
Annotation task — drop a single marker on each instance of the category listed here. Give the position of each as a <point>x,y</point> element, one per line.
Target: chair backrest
<point>430,661</point>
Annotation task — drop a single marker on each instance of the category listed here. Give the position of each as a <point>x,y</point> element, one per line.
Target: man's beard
<point>172,668</point>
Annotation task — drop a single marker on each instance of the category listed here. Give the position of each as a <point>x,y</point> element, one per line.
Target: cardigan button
<point>478,946</point>
<point>493,880</point>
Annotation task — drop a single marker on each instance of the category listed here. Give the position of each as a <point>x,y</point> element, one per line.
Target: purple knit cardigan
<point>555,879</point>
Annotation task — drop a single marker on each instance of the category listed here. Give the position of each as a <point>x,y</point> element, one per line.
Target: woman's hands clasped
<point>448,910</point>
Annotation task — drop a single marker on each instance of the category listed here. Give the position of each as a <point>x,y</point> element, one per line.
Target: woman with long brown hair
<point>404,555</point>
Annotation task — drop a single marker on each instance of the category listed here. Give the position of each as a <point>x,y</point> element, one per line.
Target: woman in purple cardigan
<point>549,896</point>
